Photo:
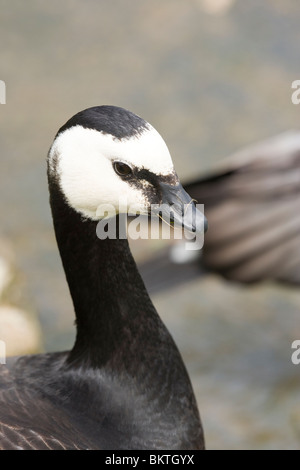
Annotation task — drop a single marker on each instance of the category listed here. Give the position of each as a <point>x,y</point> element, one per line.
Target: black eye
<point>122,169</point>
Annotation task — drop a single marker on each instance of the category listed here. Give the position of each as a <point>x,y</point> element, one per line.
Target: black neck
<point>107,291</point>
<point>114,314</point>
<point>118,330</point>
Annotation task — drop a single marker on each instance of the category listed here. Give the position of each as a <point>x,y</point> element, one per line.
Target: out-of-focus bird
<point>252,203</point>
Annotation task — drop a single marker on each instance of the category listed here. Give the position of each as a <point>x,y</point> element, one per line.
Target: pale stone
<point>6,275</point>
<point>7,263</point>
<point>216,7</point>
<point>19,330</point>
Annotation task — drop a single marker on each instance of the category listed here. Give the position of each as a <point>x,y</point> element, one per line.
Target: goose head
<point>106,156</point>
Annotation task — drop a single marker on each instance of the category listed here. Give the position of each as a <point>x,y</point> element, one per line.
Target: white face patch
<point>82,159</point>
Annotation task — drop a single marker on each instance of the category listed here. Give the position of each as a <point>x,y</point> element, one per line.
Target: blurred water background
<point>212,76</point>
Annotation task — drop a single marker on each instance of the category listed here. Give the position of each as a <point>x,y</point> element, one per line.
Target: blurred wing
<point>161,273</point>
<point>252,203</point>
<point>253,209</point>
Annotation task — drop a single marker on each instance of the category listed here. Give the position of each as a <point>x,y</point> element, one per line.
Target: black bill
<point>177,208</point>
